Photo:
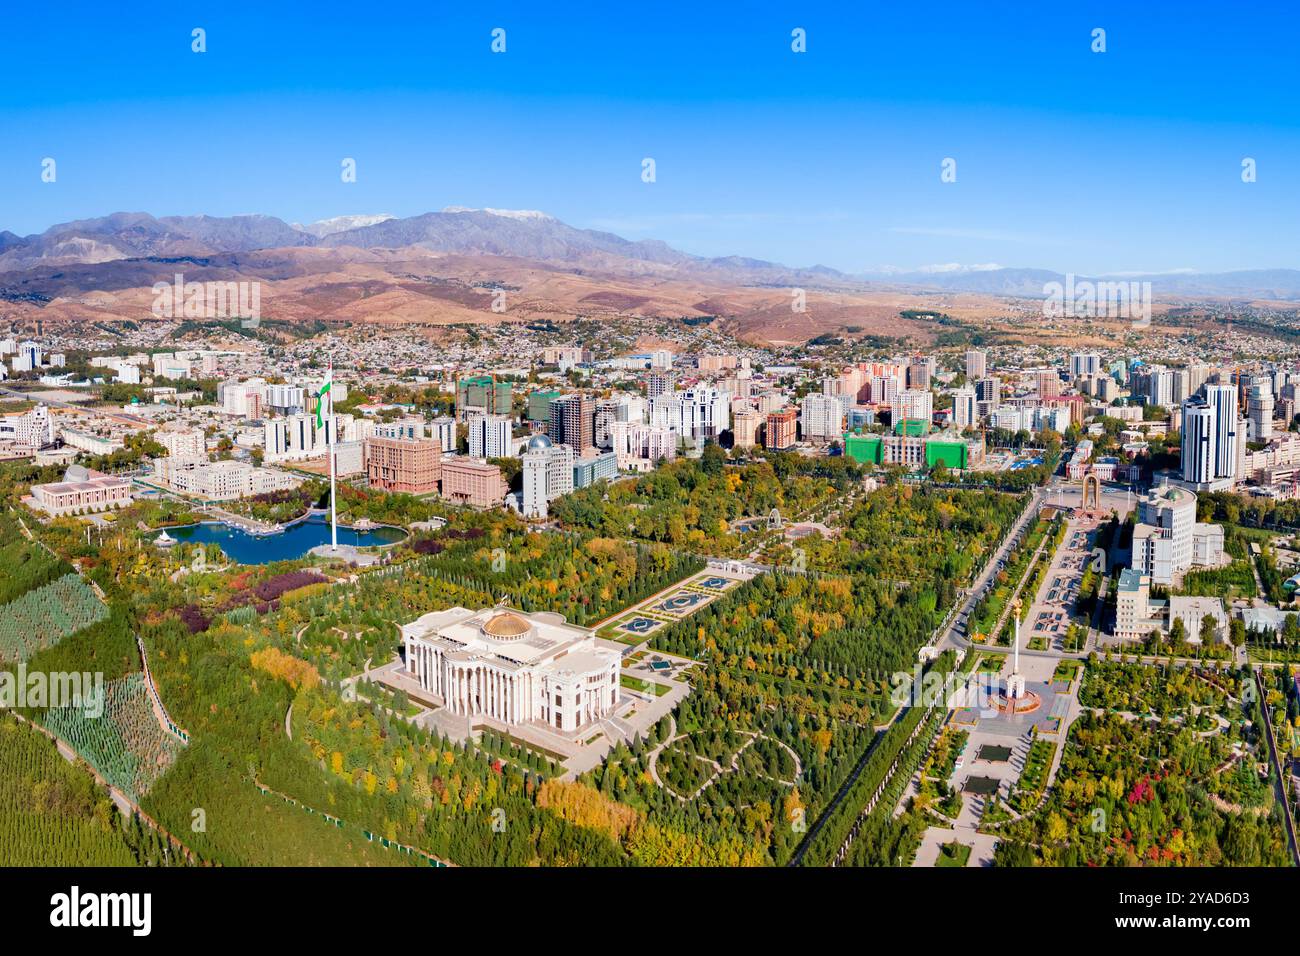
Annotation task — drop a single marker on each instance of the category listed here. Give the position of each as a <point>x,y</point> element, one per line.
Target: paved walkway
<point>950,636</point>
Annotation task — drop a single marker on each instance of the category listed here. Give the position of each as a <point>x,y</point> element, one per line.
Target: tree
<point>1178,632</point>
<point>713,459</point>
<point>1013,854</point>
<point>1057,829</point>
<point>1209,630</point>
<point>1237,631</point>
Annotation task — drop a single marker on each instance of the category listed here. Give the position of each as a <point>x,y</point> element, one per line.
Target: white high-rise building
<point>885,389</point>
<point>659,381</point>
<point>182,442</point>
<point>914,404</point>
<point>965,407</point>
<point>547,474</point>
<point>1213,439</point>
<point>639,447</point>
<point>1197,375</point>
<point>444,430</point>
<point>1163,536</point>
<point>1223,399</point>
<point>821,417</point>
<point>32,353</point>
<point>1084,364</point>
<point>976,365</point>
<point>127,373</point>
<point>1011,418</point>
<point>1160,387</point>
<point>489,436</point>
<point>1259,411</point>
<point>697,414</point>
<point>33,428</point>
<point>1179,392</point>
<point>296,437</point>
<point>243,399</point>
<point>286,398</point>
<point>1198,443</point>
<point>610,411</point>
<point>409,427</point>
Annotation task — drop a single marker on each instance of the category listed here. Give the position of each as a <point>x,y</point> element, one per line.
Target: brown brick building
<point>781,428</point>
<point>468,481</point>
<point>412,465</point>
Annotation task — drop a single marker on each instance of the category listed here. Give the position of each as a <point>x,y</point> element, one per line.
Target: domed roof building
<point>506,626</point>
<point>509,667</point>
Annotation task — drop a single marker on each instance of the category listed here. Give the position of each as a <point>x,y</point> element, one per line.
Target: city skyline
<point>649,438</point>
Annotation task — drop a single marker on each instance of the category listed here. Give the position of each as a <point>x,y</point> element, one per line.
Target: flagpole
<point>1015,614</point>
<point>330,437</point>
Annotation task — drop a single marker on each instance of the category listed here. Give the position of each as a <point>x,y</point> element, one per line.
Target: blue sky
<point>1128,160</point>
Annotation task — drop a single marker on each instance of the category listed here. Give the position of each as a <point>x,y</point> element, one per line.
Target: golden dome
<point>506,626</point>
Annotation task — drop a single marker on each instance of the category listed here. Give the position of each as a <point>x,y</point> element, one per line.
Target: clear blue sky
<point>1124,161</point>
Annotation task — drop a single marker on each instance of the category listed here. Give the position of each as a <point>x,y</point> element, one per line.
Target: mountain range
<point>1252,284</point>
<point>456,230</point>
<point>445,268</point>
<point>533,235</point>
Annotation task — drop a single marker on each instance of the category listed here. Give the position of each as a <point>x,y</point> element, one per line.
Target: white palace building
<point>512,667</point>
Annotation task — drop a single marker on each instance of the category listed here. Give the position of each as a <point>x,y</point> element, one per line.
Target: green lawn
<point>953,854</point>
<point>635,683</point>
<point>1066,670</point>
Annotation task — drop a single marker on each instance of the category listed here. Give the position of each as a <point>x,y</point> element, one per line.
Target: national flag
<point>320,398</point>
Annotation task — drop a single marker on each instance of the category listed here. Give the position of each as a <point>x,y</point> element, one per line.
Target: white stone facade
<point>512,667</point>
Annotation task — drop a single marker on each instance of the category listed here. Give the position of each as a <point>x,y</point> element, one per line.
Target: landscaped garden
<point>1148,782</point>
<point>953,854</point>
